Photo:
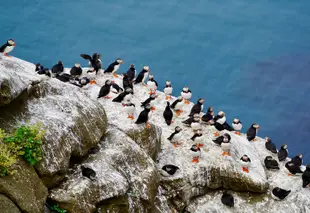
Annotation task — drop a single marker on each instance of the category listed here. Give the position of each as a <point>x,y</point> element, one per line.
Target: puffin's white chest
<point>198,139</point>
<point>195,125</point>
<point>225,146</point>
<point>176,138</point>
<point>168,90</point>
<point>129,109</point>
<point>116,67</point>
<point>237,127</point>
<point>8,49</point>
<point>187,95</point>
<point>127,98</point>
<point>152,103</point>
<point>195,154</point>
<point>151,85</point>
<point>145,76</point>
<point>179,105</point>
<point>245,164</point>
<point>221,120</point>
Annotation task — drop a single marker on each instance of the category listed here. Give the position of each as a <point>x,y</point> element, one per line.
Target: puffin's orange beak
<point>122,62</point>
<point>14,45</point>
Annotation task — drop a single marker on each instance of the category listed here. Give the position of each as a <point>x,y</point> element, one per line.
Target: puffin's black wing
<point>196,109</point>
<point>120,97</point>
<point>251,133</point>
<point>227,127</point>
<point>174,104</point>
<point>139,78</point>
<point>171,136</point>
<point>306,178</point>
<point>282,155</point>
<point>110,68</point>
<point>146,101</point>
<point>218,126</point>
<point>104,91</point>
<point>218,140</point>
<point>118,88</point>
<point>143,117</point>
<point>188,121</point>
<point>271,147</point>
<point>168,114</point>
<point>3,47</point>
<point>85,56</point>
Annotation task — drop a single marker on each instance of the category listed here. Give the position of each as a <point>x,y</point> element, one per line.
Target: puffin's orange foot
<point>175,145</point>
<point>107,97</point>
<point>144,84</point>
<point>92,82</point>
<point>5,54</point>
<point>115,75</point>
<point>147,125</point>
<point>245,169</point>
<point>131,117</point>
<point>289,174</point>
<point>195,160</point>
<point>228,153</point>
<point>186,102</point>
<point>224,153</point>
<point>167,98</point>
<point>178,112</point>
<point>237,133</point>
<point>200,145</point>
<point>254,140</point>
<point>216,134</point>
<point>153,108</point>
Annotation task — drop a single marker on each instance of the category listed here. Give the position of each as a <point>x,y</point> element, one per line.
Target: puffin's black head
<point>256,126</point>
<point>277,189</point>
<point>200,101</point>
<point>185,89</point>
<point>226,135</point>
<point>195,147</point>
<point>151,76</point>
<point>177,129</point>
<point>168,103</point>
<point>96,56</point>
<point>11,42</point>
<point>168,83</point>
<point>119,60</point>
<point>60,63</point>
<point>268,140</point>
<point>221,113</point>
<point>132,66</point>
<point>245,157</point>
<point>77,65</point>
<point>284,146</point>
<point>108,82</point>
<point>147,107</point>
<point>210,109</point>
<point>300,156</point>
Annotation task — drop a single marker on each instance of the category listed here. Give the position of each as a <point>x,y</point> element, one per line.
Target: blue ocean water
<point>250,59</point>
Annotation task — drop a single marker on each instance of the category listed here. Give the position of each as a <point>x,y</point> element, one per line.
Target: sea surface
<point>250,59</point>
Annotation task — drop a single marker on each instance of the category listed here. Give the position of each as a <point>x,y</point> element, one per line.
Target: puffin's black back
<point>104,91</point>
<point>140,77</point>
<point>143,117</point>
<point>111,67</point>
<point>228,199</point>
<point>168,114</point>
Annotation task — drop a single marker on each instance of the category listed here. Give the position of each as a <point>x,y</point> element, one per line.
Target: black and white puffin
<point>130,109</point>
<point>208,117</point>
<point>131,72</point>
<point>127,82</point>
<point>80,82</point>
<point>150,100</point>
<point>88,172</point>
<point>142,76</point>
<point>191,119</point>
<point>271,163</point>
<point>152,84</point>
<point>283,153</point>
<point>7,47</point>
<point>168,90</point>
<point>144,116</point>
<point>226,145</point>
<point>41,70</point>
<point>220,139</point>
<point>197,108</point>
<point>279,194</point>
<point>58,68</point>
<point>245,162</point>
<point>293,169</point>
<point>124,96</point>
<point>116,88</point>
<point>297,160</point>
<point>177,105</point>
<point>168,114</point>
<point>76,70</point>
<point>252,131</point>
<point>237,125</point>
<point>306,177</point>
<point>186,94</point>
<point>195,153</point>
<point>176,136</point>
<point>113,67</point>
<point>169,170</point>
<point>227,199</point>
<point>63,77</point>
<point>198,138</point>
<point>195,124</point>
<point>270,146</point>
<point>94,61</point>
<point>220,123</point>
<point>105,90</point>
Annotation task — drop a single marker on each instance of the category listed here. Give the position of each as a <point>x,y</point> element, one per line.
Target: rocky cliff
<point>127,158</point>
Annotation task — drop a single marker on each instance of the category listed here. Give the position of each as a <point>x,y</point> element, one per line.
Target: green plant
<point>7,159</point>
<point>26,141</point>
<point>57,209</point>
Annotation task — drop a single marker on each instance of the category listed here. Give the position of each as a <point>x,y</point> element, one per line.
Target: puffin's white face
<point>128,90</point>
<point>146,68</point>
<point>236,120</point>
<point>221,113</point>
<point>77,65</point>
<point>196,116</point>
<point>300,155</point>
<point>225,139</point>
<point>245,157</point>
<point>199,132</point>
<point>120,61</point>
<point>151,76</point>
<point>285,147</point>
<point>11,42</point>
<point>168,82</point>
<point>148,106</point>
<point>201,101</point>
<point>196,119</point>
<point>185,89</point>
<point>83,81</point>
<point>178,129</point>
<point>266,139</point>
<point>256,126</point>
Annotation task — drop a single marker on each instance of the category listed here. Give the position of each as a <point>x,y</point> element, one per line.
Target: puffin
<point>113,67</point>
<point>220,139</point>
<point>196,153</point>
<point>142,76</point>
<point>8,47</point>
<point>168,114</point>
<point>293,169</point>
<point>186,94</point>
<point>169,170</point>
<point>176,136</point>
<point>195,124</point>
<point>126,95</point>
<point>63,77</point>
<point>105,90</point>
<point>130,108</point>
<point>270,146</point>
<point>116,88</point>
<point>208,117</point>
<point>76,70</point>
<point>227,199</point>
<point>190,120</point>
<point>297,160</point>
<point>197,108</point>
<point>88,172</point>
<point>271,163</point>
<point>168,90</point>
<point>245,162</point>
<point>225,145</point>
<point>150,100</point>
<point>58,68</point>
<point>306,177</point>
<point>283,153</point>
<point>94,61</point>
<point>177,105</point>
<point>80,82</point>
<point>127,82</point>
<point>197,138</point>
<point>220,123</point>
<point>144,116</point>
<point>41,70</point>
<point>131,72</point>
<point>152,84</point>
<point>237,125</point>
<point>279,194</point>
<point>252,131</point>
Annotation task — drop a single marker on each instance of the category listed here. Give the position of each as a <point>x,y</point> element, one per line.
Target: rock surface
<point>24,188</point>
<point>7,206</point>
